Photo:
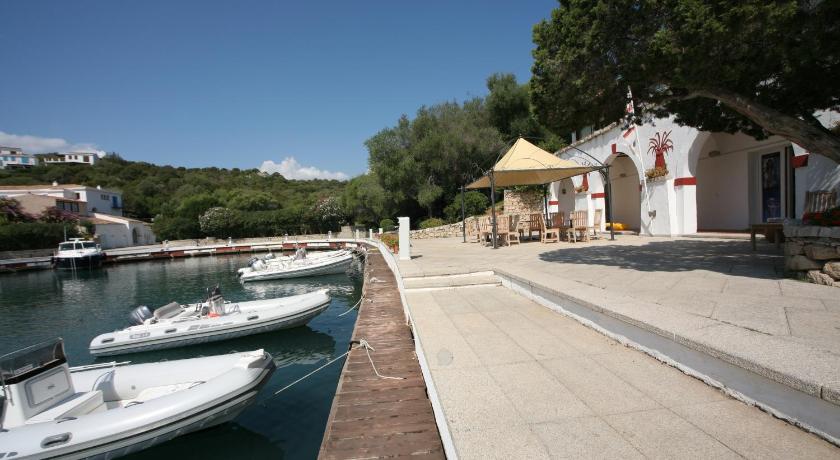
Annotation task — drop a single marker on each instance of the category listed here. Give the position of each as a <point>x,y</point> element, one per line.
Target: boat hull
<point>76,263</point>
<point>137,431</point>
<point>335,268</point>
<point>255,322</point>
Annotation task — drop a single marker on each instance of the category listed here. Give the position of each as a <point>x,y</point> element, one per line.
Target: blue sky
<point>237,83</point>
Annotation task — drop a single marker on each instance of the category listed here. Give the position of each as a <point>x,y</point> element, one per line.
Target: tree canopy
<point>753,66</point>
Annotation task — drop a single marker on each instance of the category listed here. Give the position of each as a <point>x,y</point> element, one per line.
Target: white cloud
<point>291,169</point>
<point>36,144</point>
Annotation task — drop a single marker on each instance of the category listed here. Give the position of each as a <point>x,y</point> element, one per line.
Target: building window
<point>87,158</point>
<point>78,196</point>
<point>105,197</point>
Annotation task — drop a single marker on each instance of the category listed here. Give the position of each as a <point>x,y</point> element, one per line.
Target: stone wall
<point>813,253</point>
<point>523,203</point>
<point>443,231</point>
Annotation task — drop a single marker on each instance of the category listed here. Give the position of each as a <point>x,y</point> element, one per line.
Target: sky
<point>290,86</point>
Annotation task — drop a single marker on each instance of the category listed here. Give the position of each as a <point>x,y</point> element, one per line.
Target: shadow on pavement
<point>730,257</point>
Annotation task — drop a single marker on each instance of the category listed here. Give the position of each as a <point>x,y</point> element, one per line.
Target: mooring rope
<point>353,307</point>
<point>362,344</point>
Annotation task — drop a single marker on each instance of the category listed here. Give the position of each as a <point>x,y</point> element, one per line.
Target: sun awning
<point>527,164</point>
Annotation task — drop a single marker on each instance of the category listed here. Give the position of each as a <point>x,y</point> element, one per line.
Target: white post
<point>370,233</point>
<point>405,244</point>
<point>357,233</point>
<point>380,231</point>
<point>329,235</point>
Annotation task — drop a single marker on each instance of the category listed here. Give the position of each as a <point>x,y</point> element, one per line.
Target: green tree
<point>251,200</point>
<point>365,199</point>
<point>753,66</point>
<point>475,203</point>
<point>220,223</point>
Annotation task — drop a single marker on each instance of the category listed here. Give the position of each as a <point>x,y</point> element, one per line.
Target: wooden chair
<point>820,200</point>
<point>580,225</point>
<point>558,221</point>
<point>512,234</point>
<point>474,231</point>
<point>535,224</point>
<point>485,229</point>
<point>596,223</point>
<point>547,232</point>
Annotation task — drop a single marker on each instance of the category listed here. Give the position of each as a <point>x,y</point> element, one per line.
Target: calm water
<point>37,306</point>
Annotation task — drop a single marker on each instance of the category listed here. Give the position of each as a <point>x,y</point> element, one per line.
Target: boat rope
<point>364,343</point>
<point>353,307</point>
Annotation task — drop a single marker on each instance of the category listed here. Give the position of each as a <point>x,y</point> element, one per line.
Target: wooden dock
<point>373,417</point>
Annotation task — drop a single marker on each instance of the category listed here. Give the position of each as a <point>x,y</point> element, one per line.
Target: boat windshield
<point>89,245</point>
<point>65,247</point>
<point>23,363</point>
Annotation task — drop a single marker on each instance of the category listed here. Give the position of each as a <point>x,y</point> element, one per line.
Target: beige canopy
<point>527,164</point>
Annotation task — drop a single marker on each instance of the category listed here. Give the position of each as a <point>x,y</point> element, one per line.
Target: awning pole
<point>493,205</point>
<point>463,216</point>
<point>545,205</point>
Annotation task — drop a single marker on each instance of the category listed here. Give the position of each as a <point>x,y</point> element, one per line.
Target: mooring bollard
<point>405,244</point>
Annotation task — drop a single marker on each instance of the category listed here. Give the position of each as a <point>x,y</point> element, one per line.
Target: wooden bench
<point>767,228</point>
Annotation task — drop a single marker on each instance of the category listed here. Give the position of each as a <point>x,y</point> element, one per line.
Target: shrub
<point>432,222</point>
<point>828,218</point>
<point>387,225</point>
<point>389,239</point>
<point>34,235</point>
<point>54,215</point>
<point>221,223</point>
<point>475,204</point>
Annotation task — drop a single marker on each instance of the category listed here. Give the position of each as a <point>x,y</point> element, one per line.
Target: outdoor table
<point>766,228</point>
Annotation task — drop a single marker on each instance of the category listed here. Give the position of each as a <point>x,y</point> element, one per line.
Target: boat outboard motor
<point>251,261</point>
<point>258,264</point>
<point>139,315</point>
<point>215,302</point>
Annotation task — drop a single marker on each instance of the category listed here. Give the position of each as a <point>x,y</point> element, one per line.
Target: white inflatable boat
<point>298,267</point>
<point>271,259</point>
<point>175,325</point>
<point>109,410</point>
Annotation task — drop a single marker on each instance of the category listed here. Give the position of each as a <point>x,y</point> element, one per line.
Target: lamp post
<point>463,215</point>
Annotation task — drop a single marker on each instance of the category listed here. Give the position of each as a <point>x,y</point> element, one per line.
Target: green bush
<point>475,204</point>
<point>34,235</point>
<point>387,225</point>
<point>432,222</point>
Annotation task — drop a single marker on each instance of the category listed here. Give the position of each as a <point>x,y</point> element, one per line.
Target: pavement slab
<point>518,380</point>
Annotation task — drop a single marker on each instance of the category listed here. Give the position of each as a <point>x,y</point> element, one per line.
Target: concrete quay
<point>516,379</point>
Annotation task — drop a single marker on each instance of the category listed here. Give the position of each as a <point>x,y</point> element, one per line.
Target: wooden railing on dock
<point>374,417</point>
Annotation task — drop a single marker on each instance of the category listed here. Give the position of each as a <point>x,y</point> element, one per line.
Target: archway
<point>626,194</point>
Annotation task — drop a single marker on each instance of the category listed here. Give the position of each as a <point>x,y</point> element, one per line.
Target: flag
<point>629,112</point>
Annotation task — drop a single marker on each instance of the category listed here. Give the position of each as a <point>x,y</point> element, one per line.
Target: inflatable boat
<point>298,267</point>
<point>108,410</point>
<point>176,325</point>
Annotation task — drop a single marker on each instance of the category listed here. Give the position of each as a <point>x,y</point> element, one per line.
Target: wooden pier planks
<point>372,417</point>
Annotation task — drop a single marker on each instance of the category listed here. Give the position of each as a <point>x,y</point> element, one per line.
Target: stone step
<point>452,281</point>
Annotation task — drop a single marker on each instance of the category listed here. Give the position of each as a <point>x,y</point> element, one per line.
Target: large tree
<point>756,66</point>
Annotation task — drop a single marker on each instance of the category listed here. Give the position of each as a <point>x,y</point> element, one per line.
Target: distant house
<point>13,157</point>
<point>96,199</point>
<point>102,207</point>
<point>87,158</point>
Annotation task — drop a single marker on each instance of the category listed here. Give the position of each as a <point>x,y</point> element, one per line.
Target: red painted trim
<point>799,161</point>
<point>614,149</point>
<point>680,181</point>
<point>553,203</point>
<point>599,195</point>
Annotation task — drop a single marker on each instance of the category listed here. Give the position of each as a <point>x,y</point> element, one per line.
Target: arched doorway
<point>626,196</point>
<point>135,236</point>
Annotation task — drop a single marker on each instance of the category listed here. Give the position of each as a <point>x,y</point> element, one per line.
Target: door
<point>771,186</point>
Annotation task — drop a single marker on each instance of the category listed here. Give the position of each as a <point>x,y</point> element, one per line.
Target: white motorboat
<point>298,267</point>
<point>175,325</point>
<point>271,259</point>
<point>113,409</point>
<point>78,253</point>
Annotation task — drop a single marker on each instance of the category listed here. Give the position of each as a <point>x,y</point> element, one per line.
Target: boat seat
<point>74,406</point>
<point>167,311</point>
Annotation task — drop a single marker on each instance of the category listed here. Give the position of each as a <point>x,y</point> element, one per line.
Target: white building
<point>97,199</point>
<point>13,157</point>
<point>118,232</point>
<point>709,182</point>
<point>87,158</point>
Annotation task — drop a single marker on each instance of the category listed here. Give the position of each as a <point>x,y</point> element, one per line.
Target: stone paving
<point>517,380</point>
<point>715,293</point>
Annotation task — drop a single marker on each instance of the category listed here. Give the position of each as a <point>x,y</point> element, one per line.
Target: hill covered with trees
<point>179,200</point>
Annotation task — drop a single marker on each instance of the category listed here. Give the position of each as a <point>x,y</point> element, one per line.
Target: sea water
<point>77,306</point>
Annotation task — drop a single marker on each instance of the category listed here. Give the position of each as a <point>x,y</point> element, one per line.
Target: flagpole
<point>638,151</point>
